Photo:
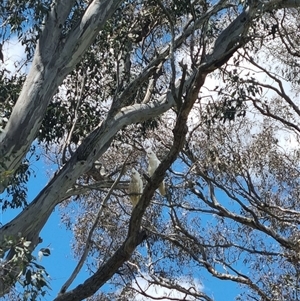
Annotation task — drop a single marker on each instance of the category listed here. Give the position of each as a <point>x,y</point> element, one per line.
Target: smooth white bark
<point>55,56</point>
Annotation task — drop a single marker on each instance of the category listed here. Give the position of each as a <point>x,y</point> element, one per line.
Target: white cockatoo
<point>135,187</point>
<point>153,164</point>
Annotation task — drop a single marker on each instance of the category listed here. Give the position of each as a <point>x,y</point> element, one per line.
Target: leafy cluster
<point>33,277</point>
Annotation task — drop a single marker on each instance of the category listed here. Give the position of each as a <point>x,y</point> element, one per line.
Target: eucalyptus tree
<point>107,80</point>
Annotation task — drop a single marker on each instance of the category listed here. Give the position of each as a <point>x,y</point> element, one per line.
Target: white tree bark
<point>55,56</point>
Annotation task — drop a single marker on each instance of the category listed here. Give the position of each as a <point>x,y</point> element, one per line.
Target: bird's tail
<point>162,188</point>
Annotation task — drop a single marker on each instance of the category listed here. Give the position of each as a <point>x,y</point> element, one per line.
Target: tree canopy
<point>212,87</point>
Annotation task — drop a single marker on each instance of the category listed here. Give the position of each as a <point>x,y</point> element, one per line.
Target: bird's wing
<point>153,163</point>
<point>135,188</point>
<point>162,188</point>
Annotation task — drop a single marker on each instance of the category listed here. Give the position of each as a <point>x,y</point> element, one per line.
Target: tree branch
<point>88,244</point>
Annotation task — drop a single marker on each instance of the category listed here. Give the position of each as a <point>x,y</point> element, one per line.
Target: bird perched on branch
<point>135,187</point>
<point>153,164</point>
